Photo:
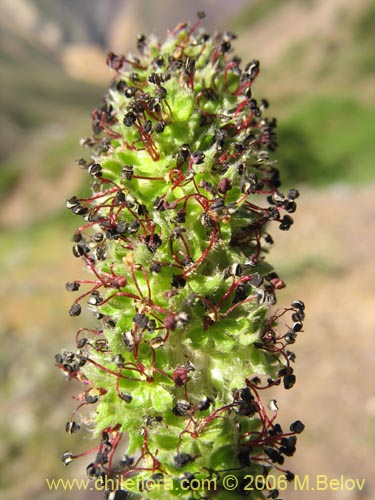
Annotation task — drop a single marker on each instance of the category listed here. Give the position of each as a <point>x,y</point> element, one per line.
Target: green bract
<point>174,235</point>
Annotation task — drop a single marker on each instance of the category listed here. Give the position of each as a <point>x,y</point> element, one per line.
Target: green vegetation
<point>256,11</point>
<point>328,140</point>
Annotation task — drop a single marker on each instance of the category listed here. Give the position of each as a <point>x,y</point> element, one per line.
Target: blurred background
<point>317,69</point>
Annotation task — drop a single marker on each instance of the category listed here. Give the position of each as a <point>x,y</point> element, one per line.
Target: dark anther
<point>293,194</point>
<point>297,327</point>
<point>298,304</point>
<point>141,320</point>
<point>239,295</point>
<point>248,184</point>
<point>67,457</point>
<point>256,279</point>
<point>150,420</point>
<point>133,227</point>
<point>189,65</point>
<point>271,276</point>
<point>182,459</point>
<point>156,78</point>
<point>81,162</point>
<point>290,338</point>
<point>159,204</point>
<point>91,398</point>
<point>161,92</point>
<point>93,471</point>
<point>141,42</point>
<point>272,454</point>
<point>225,46</point>
<point>95,169</point>
<point>77,237</point>
<point>181,408</point>
<point>298,316</point>
<point>101,458</point>
<point>78,210</point>
<point>100,254</point>
<point>141,209</point>
<point>290,206</point>
<point>122,228</point>
<point>224,185</point>
<point>233,270</point>
<point>114,61</point>
<point>204,404</point>
<point>291,356</point>
<point>128,341</point>
<point>72,427</point>
<point>276,430</point>
<point>134,77</point>
<point>147,126</point>
<point>217,205</point>
<point>268,238</point>
<point>130,92</point>
<point>197,157</point>
<point>72,202</point>
<point>289,380</point>
<point>208,187</point>
<point>153,242</point>
<point>180,217</point>
<point>182,155</point>
<point>119,198</point>
<point>159,127</point>
<point>297,427</point>
<point>289,476</point>
<point>251,70</point>
<point>126,461</point>
<point>244,458</point>
<point>82,342</point>
<point>75,310</point>
<point>247,408</point>
<point>273,494</point>
<point>178,281</point>
<point>151,325</point>
<point>286,222</point>
<point>98,237</point>
<point>125,396</point>
<point>206,221</point>
<point>159,61</point>
<point>155,267</point>
<point>181,319</point>
<point>72,286</point>
<point>129,119</point>
<point>118,360</point>
<point>241,168</point>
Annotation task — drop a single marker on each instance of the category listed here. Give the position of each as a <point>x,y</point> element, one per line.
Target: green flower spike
<point>174,237</point>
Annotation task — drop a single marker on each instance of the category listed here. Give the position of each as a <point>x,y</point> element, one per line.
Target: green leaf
<point>160,399</point>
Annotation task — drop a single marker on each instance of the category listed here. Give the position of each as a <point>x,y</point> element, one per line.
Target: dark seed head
<point>297,427</point>
<point>289,381</point>
<point>75,310</point>
<point>72,427</point>
<point>182,459</point>
<point>125,396</point>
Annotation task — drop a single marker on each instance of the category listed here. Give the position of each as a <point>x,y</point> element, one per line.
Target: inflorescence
<point>174,237</point>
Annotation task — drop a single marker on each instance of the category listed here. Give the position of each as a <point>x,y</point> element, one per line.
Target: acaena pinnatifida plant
<point>174,238</point>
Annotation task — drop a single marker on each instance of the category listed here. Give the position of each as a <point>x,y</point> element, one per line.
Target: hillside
<point>317,69</point>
